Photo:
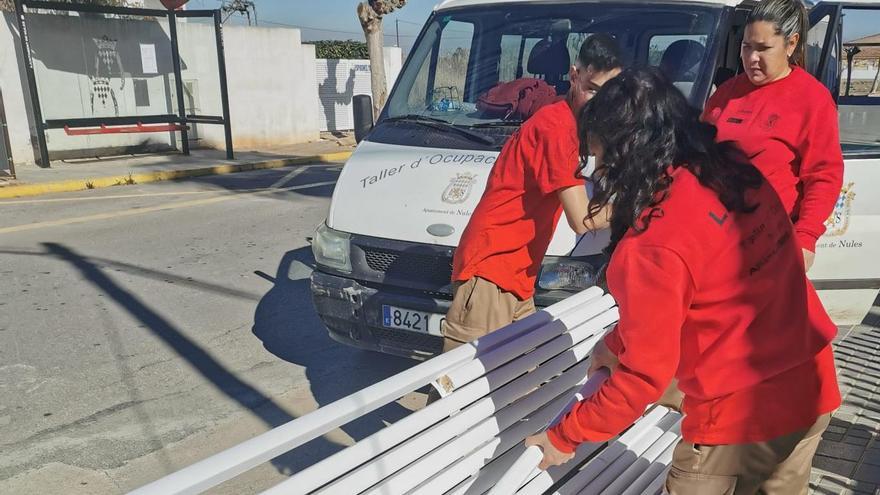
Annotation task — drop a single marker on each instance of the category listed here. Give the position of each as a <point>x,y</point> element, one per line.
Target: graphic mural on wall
<point>106,60</point>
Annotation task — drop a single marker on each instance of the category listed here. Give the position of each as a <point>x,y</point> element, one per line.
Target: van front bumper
<point>352,313</point>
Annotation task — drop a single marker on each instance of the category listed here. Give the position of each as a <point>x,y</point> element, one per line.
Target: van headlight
<point>562,274</point>
<point>332,248</point>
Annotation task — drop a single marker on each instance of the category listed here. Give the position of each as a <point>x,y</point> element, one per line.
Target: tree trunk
<point>876,86</point>
<point>371,22</point>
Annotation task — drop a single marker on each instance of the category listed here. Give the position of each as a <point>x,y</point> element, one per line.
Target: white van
<point>384,255</point>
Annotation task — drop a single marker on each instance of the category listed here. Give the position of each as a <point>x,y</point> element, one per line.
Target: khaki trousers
<point>479,307</point>
<point>778,467</point>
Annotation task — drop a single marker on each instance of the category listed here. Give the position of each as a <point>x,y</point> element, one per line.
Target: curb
<point>23,190</point>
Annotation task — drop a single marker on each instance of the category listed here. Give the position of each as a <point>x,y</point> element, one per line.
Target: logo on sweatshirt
<point>459,188</point>
<point>771,121</point>
<point>838,222</point>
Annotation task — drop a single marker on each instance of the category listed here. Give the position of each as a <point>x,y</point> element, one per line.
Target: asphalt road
<point>145,327</point>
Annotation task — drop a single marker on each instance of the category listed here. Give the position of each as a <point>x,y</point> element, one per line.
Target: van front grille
<point>436,270</point>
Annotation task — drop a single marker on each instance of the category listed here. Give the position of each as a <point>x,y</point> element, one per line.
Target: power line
<point>333,30</point>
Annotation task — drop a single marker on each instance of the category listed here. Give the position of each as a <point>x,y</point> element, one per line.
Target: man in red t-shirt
<point>533,180</point>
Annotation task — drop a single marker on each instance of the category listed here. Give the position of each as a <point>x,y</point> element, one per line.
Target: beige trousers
<point>479,307</point>
<point>777,467</point>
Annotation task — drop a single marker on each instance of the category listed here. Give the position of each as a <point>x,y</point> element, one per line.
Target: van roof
<point>448,4</point>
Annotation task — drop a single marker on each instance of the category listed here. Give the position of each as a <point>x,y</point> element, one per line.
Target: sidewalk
<point>848,459</point>
<point>76,175</point>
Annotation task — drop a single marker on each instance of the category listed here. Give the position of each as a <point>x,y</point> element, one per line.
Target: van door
<point>844,53</point>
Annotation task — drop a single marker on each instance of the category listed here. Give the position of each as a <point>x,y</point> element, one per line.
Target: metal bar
<point>98,121</point>
<point>224,89</point>
<point>505,354</point>
<point>327,470</point>
<point>196,13</point>
<point>5,145</point>
<point>859,100</point>
<point>204,119</point>
<point>123,130</point>
<point>24,40</point>
<point>96,9</point>
<point>178,79</point>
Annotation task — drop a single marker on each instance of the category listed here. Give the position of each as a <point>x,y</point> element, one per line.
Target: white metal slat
<point>338,464</point>
<point>460,470</point>
<point>400,456</point>
<point>619,466</point>
<point>630,478</point>
<point>615,449</point>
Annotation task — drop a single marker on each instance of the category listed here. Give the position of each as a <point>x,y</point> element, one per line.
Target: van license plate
<point>408,319</point>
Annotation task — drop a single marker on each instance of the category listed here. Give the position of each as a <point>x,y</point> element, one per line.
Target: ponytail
<point>789,17</point>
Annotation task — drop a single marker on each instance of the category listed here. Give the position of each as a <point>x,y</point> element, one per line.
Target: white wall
<point>340,80</point>
<point>270,73</point>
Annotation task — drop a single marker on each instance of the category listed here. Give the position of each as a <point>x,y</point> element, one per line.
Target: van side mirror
<point>363,116</point>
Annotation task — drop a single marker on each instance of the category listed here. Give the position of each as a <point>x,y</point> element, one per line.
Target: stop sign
<point>173,4</point>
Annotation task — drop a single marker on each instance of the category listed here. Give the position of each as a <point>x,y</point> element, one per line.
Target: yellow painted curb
<point>22,190</point>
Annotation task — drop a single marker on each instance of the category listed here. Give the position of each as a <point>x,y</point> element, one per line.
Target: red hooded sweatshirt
<point>720,301</point>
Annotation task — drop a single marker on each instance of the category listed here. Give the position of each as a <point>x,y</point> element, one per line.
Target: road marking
<point>117,196</point>
<point>151,209</point>
<point>289,177</point>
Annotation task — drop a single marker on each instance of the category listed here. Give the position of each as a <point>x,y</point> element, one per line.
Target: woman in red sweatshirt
<point>708,276</point>
<point>783,119</point>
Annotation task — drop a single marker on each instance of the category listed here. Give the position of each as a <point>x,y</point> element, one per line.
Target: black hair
<point>645,125</point>
<point>600,51</point>
<point>789,17</point>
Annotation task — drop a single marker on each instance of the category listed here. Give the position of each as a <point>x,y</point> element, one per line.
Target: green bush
<point>335,49</point>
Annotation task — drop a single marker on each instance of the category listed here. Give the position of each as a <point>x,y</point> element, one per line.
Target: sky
<point>337,19</point>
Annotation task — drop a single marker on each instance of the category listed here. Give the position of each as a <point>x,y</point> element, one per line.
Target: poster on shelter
<point>148,59</point>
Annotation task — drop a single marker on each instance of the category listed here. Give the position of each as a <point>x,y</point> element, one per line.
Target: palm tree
<point>370,14</point>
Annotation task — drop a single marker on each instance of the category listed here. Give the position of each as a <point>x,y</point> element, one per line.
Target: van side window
<point>679,56</point>
<point>859,100</point>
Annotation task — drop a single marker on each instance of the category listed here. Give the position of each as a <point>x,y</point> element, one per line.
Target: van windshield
<point>463,53</point>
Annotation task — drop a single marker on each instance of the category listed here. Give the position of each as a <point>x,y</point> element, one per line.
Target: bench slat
<point>633,473</point>
<point>615,449</point>
<point>478,447</point>
<point>336,465</point>
<point>505,353</point>
<point>397,458</point>
<point>619,466</point>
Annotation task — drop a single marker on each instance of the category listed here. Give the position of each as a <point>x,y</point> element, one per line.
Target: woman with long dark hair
<point>783,118</point>
<point>711,290</point>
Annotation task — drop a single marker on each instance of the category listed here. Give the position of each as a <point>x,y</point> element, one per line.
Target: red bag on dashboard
<point>518,99</point>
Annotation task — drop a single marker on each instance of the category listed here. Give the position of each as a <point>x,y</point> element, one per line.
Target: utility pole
<point>397,25</point>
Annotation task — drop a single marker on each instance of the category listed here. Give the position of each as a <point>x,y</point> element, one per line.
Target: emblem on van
<point>459,188</point>
<point>441,230</point>
<point>838,222</point>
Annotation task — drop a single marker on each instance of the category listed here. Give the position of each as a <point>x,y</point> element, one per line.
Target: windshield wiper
<point>499,123</point>
<point>441,124</point>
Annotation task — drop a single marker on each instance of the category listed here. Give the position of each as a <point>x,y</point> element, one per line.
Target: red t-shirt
<point>720,301</point>
<point>511,228</point>
<point>789,130</point>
